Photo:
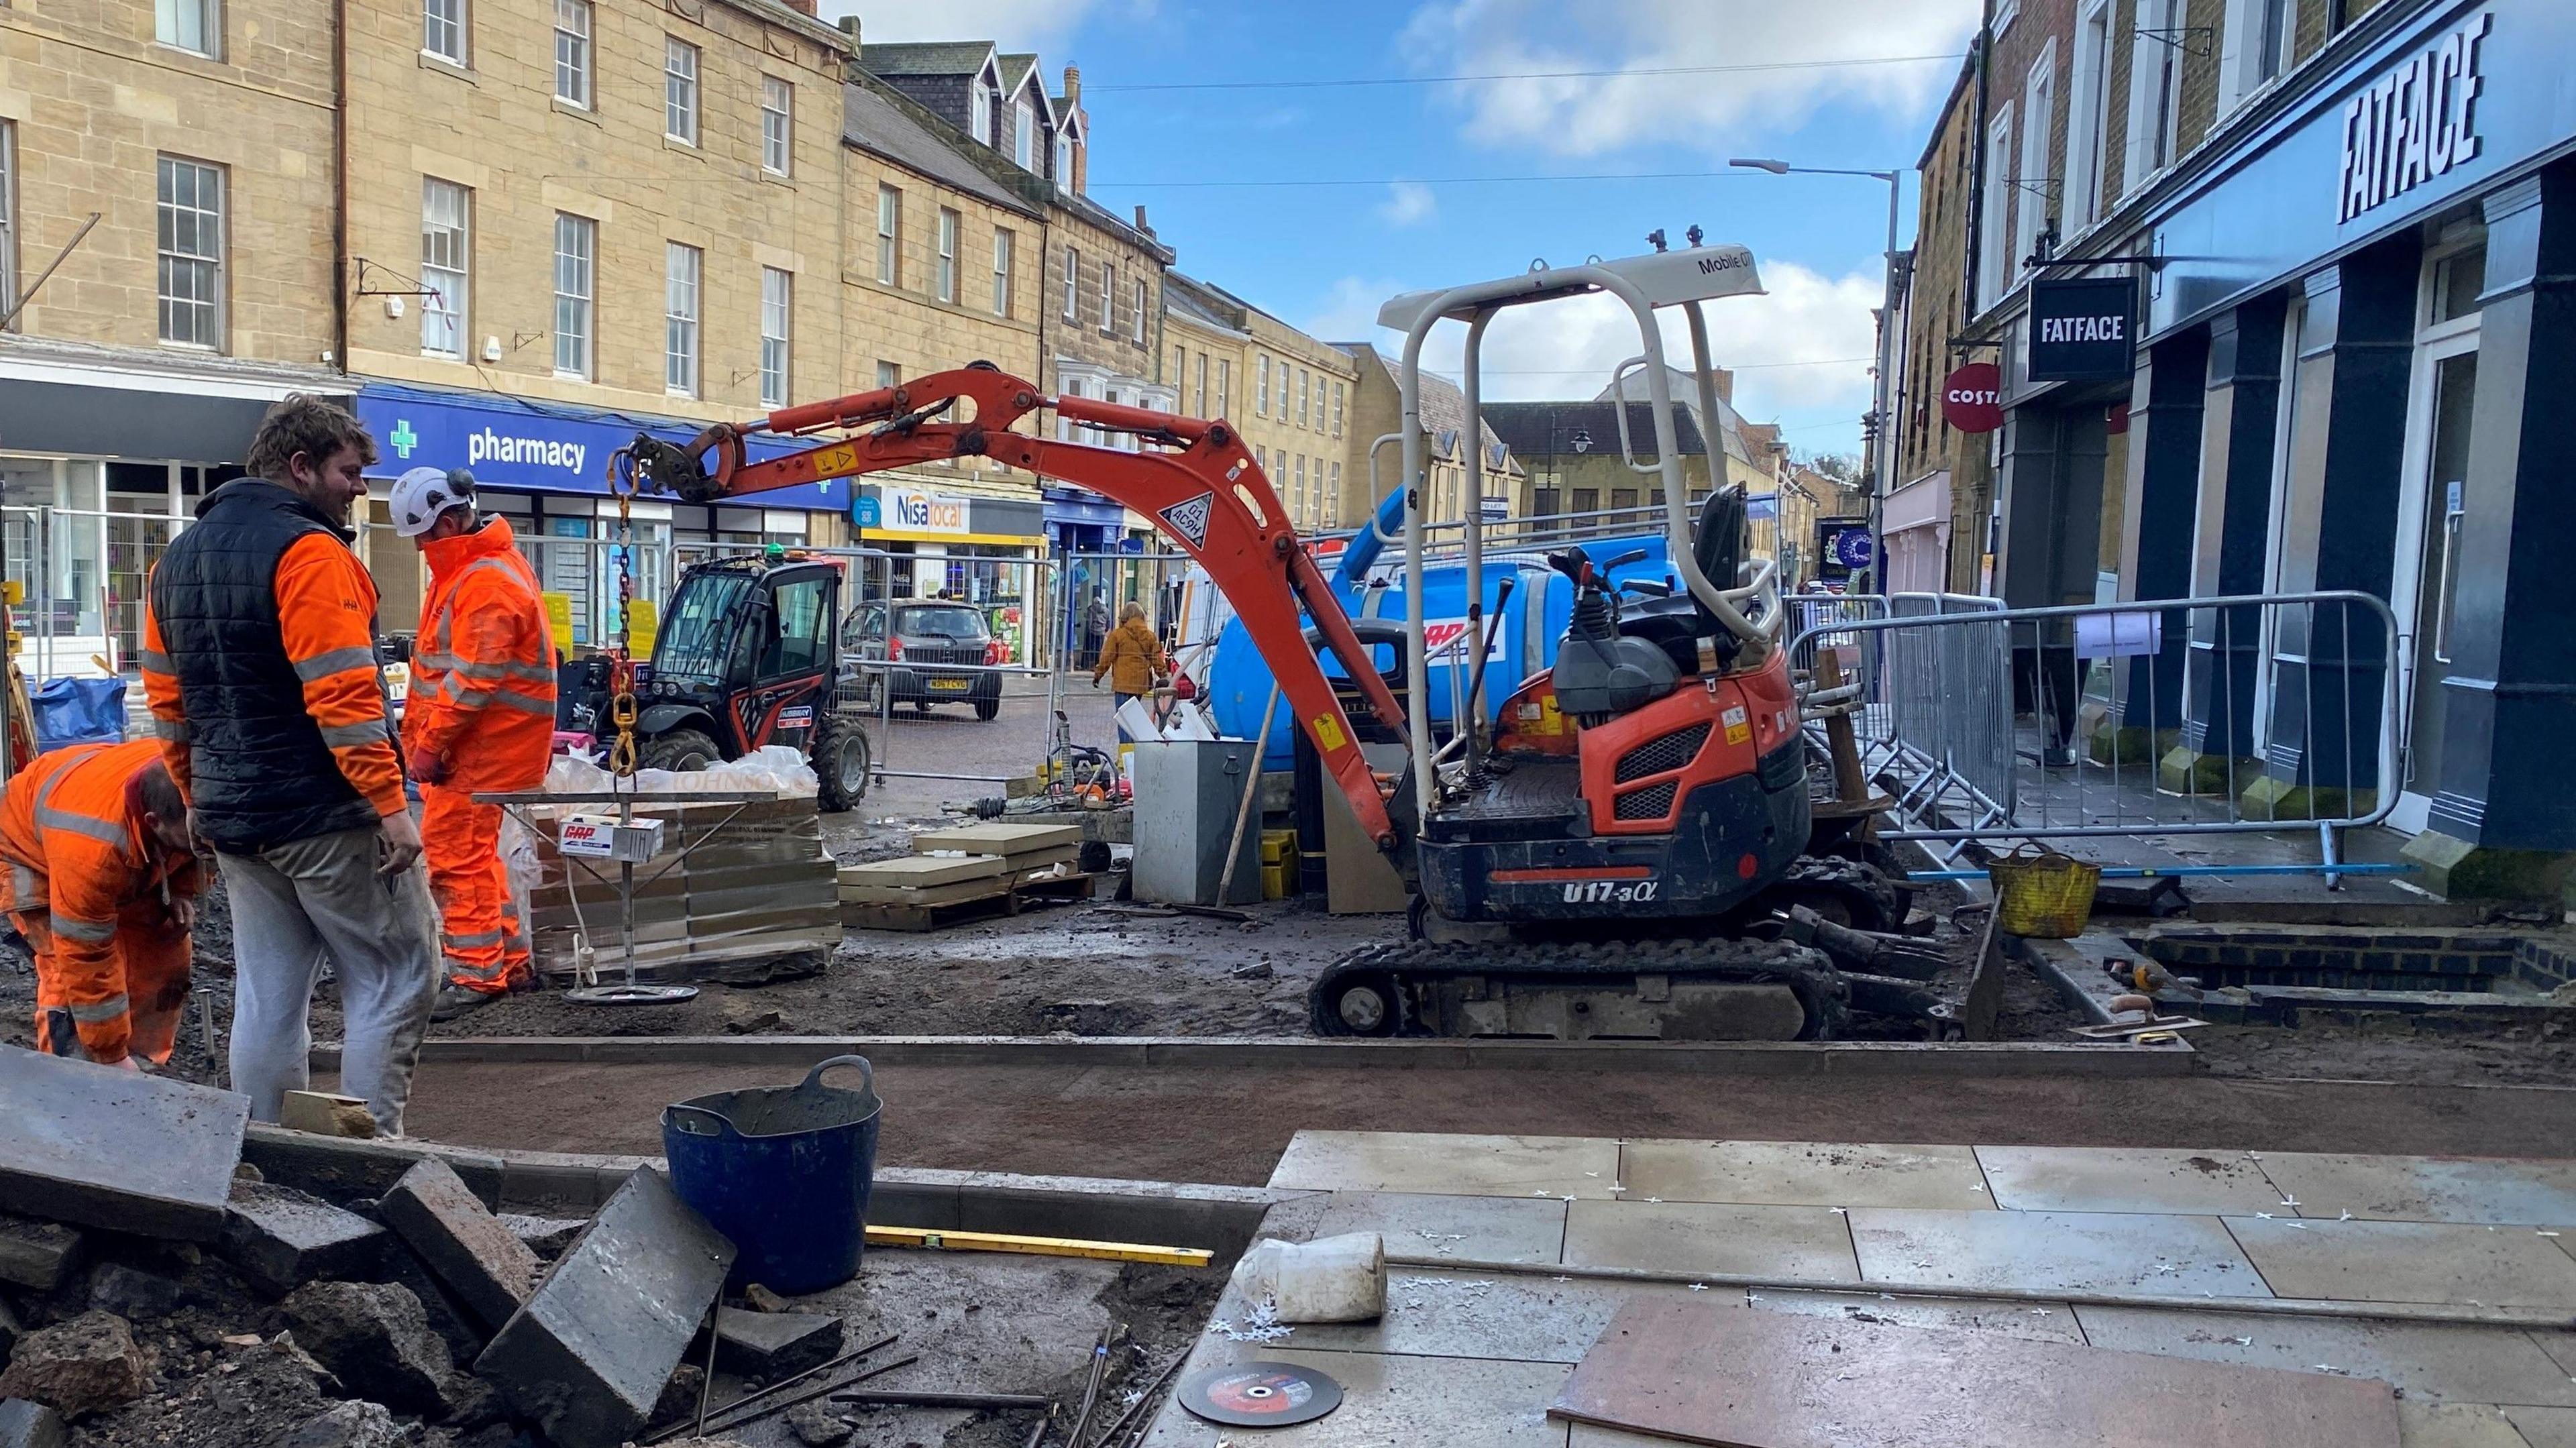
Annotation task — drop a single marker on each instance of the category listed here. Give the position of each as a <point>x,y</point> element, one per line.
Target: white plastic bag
<point>1331,1279</point>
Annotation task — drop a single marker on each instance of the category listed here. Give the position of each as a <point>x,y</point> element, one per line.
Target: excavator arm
<point>1194,478</point>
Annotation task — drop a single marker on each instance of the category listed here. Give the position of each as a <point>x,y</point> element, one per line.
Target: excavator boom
<point>1194,478</point>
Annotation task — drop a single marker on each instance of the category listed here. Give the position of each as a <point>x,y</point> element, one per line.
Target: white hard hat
<point>421,494</point>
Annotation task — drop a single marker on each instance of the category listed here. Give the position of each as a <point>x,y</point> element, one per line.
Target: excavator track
<point>1675,989</point>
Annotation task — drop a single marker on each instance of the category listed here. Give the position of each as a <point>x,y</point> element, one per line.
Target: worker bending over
<point>481,717</point>
<point>103,883</point>
<point>259,658</point>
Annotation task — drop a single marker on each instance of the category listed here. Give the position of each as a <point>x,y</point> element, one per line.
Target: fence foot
<point>2327,843</point>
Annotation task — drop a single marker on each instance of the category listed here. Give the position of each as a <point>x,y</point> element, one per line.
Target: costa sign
<point>1972,398</point>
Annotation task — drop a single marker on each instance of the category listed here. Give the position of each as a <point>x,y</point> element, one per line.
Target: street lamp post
<point>1884,399</point>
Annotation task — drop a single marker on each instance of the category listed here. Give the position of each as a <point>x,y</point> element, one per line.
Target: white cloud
<point>1592,115</point>
<point>1040,25</point>
<point>1408,203</point>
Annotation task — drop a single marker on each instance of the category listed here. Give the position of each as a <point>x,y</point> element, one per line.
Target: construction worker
<point>259,659</point>
<point>481,716</point>
<point>103,884</point>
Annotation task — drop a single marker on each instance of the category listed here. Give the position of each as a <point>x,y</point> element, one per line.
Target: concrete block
<point>281,1238</point>
<point>587,1356</point>
<point>78,1367</point>
<point>125,1150</point>
<point>31,1425</point>
<point>997,837</point>
<point>467,1247</point>
<point>375,1339</point>
<point>453,1321</point>
<point>37,1255</point>
<point>342,1170</point>
<point>325,1113</point>
<point>922,870</point>
<point>773,1345</point>
<point>545,1236</point>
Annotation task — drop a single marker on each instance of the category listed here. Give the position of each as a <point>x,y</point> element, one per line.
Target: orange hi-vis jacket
<point>72,835</point>
<point>483,669</point>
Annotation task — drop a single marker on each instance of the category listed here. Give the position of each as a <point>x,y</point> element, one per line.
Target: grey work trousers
<point>294,903</point>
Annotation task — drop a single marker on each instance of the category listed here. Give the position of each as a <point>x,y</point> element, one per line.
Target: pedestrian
<point>1095,624</point>
<point>481,717</point>
<point>103,883</point>
<point>260,662</point>
<point>1131,657</point>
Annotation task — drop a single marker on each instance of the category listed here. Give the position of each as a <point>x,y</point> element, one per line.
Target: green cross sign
<point>403,438</point>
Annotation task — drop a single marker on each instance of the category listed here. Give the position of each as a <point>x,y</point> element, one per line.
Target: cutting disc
<point>1260,1395</point>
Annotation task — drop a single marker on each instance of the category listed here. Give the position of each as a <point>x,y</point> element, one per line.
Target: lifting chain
<point>621,661</point>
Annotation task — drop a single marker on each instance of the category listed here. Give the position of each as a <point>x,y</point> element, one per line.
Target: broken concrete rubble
<point>774,1345</point>
<point>37,1255</point>
<point>588,1356</point>
<point>78,1367</point>
<point>545,1236</point>
<point>350,1425</point>
<point>281,1238</point>
<point>131,1293</point>
<point>31,1425</point>
<point>171,1168</point>
<point>461,1242</point>
<point>374,1337</point>
<point>453,1321</point>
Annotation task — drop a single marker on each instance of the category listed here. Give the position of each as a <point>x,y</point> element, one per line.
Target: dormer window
<point>1024,134</point>
<point>979,108</point>
<point>1064,160</point>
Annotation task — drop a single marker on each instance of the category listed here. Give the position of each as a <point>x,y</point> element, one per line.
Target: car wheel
<point>988,709</point>
<point>921,706</point>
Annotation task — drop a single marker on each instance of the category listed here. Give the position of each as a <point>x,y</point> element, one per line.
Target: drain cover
<point>1260,1395</point>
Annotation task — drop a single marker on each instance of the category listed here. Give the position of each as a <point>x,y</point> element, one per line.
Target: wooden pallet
<point>1010,900</point>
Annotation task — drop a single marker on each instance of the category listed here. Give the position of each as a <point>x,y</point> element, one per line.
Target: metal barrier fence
<point>2202,715</point>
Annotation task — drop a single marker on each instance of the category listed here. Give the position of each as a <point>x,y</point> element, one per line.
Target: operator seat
<point>1677,623</point>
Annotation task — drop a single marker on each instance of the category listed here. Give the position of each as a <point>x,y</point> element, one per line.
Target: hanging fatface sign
<point>1972,397</point>
<point>2083,329</point>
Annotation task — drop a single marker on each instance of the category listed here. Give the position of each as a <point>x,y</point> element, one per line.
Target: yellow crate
<point>1279,881</point>
<point>1278,846</point>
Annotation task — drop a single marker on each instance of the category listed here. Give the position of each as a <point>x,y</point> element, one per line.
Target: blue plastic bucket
<point>784,1172</point>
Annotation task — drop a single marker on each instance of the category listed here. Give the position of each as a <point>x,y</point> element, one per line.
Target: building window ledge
<point>686,148</point>
<point>564,107</point>
<point>430,60</point>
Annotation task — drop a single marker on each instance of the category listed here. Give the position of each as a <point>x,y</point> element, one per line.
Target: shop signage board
<point>2416,122</point>
<point>1972,397</point>
<point>2083,329</point>
<point>910,510</point>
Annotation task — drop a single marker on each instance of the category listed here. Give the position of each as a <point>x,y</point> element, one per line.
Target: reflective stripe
<point>489,673</point>
<point>97,1011</point>
<point>358,735</point>
<point>171,731</point>
<point>156,662</point>
<point>49,818</point>
<point>470,942</point>
<point>335,661</point>
<point>29,886</point>
<point>74,928</point>
<point>471,971</point>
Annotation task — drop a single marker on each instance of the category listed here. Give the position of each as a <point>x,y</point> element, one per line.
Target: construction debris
<point>466,1247</point>
<point>774,1345</point>
<point>37,1255</point>
<point>31,1425</point>
<point>78,1367</point>
<point>131,1293</point>
<point>358,1424</point>
<point>587,1357</point>
<point>326,1113</point>
<point>547,1237</point>
<point>281,1238</point>
<point>170,1173</point>
<point>964,872</point>
<point>374,1337</point>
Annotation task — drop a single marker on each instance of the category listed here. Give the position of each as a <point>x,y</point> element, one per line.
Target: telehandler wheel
<point>841,761</point>
<point>679,750</point>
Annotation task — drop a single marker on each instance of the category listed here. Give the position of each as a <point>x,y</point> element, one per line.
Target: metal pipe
<point>2529,1319</point>
<point>898,1397</point>
<point>1472,443</point>
<point>1417,703</point>
<point>784,1384</point>
<point>2157,872</point>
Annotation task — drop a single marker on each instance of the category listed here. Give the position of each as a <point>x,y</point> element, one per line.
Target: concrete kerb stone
<point>461,1242</point>
<point>124,1150</point>
<point>1759,1058</point>
<point>281,1238</point>
<point>346,1169</point>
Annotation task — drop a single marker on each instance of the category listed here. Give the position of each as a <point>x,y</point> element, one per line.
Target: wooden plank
<point>1713,1372</point>
<point>1985,999</point>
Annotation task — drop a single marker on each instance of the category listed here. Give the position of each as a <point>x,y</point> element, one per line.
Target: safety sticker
<point>1328,733</point>
<point>1739,725</point>
<point>1189,518</point>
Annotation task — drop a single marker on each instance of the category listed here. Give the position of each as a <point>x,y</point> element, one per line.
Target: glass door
<point>2427,575</point>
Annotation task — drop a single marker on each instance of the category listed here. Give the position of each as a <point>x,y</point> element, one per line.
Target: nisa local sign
<point>908,511</point>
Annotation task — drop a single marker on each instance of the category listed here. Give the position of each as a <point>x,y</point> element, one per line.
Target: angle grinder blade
<point>1260,1395</point>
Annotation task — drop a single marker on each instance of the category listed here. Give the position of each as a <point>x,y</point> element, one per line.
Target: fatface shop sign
<point>1972,398</point>
<point>2416,123</point>
<point>2083,329</point>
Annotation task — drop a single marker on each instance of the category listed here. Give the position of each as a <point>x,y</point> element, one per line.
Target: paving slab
<point>2455,1425</point>
<point>2053,1251</point>
<point>2543,1427</point>
<point>2118,1179</point>
<point>922,870</point>
<point>281,1238</point>
<point>2409,1262</point>
<point>2488,1191</point>
<point>2045,1322</point>
<point>1481,1166</point>
<point>1472,1229</point>
<point>472,1252</point>
<point>2443,1363</point>
<point>1803,1173</point>
<point>1390,1400</point>
<point>1808,1244</point>
<point>1463,1315</point>
<point>126,1150</point>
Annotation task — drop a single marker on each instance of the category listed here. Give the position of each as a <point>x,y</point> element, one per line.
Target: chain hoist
<point>621,661</point>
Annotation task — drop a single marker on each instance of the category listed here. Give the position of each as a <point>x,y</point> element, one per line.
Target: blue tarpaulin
<point>78,711</point>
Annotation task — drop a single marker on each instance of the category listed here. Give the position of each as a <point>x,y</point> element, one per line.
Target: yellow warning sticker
<point>1739,726</point>
<point>1328,733</point>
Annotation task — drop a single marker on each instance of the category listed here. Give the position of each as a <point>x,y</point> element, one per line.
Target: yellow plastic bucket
<point>2043,894</point>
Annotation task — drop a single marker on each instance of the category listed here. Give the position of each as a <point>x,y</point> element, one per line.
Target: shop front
<point>941,541</point>
<point>2351,357</point>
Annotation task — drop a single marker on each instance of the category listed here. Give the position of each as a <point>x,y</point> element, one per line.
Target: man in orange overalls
<point>102,882</point>
<point>480,717</point>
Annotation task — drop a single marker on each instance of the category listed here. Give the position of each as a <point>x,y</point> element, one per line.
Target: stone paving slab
<point>1485,1166</point>
<point>2053,1252</point>
<point>1803,1173</point>
<point>1479,1229</point>
<point>1460,1314</point>
<point>2482,1190</point>
<point>2118,1179</point>
<point>2041,1322</point>
<point>1805,1243</point>
<point>2409,1262</point>
<point>2455,1425</point>
<point>1389,1399</point>
<point>2445,1363</point>
<point>2542,1427</point>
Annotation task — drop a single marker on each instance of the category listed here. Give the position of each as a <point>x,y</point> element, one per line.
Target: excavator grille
<point>1651,803</point>
<point>1660,755</point>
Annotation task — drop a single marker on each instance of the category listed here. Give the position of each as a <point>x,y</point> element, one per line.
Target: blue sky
<point>1222,171</point>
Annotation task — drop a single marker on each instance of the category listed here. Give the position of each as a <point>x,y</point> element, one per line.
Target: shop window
<point>2457,280</point>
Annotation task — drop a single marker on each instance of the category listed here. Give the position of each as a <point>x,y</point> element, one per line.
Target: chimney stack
<point>1725,388</point>
<point>1140,220</point>
<point>849,24</point>
<point>1073,84</point>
